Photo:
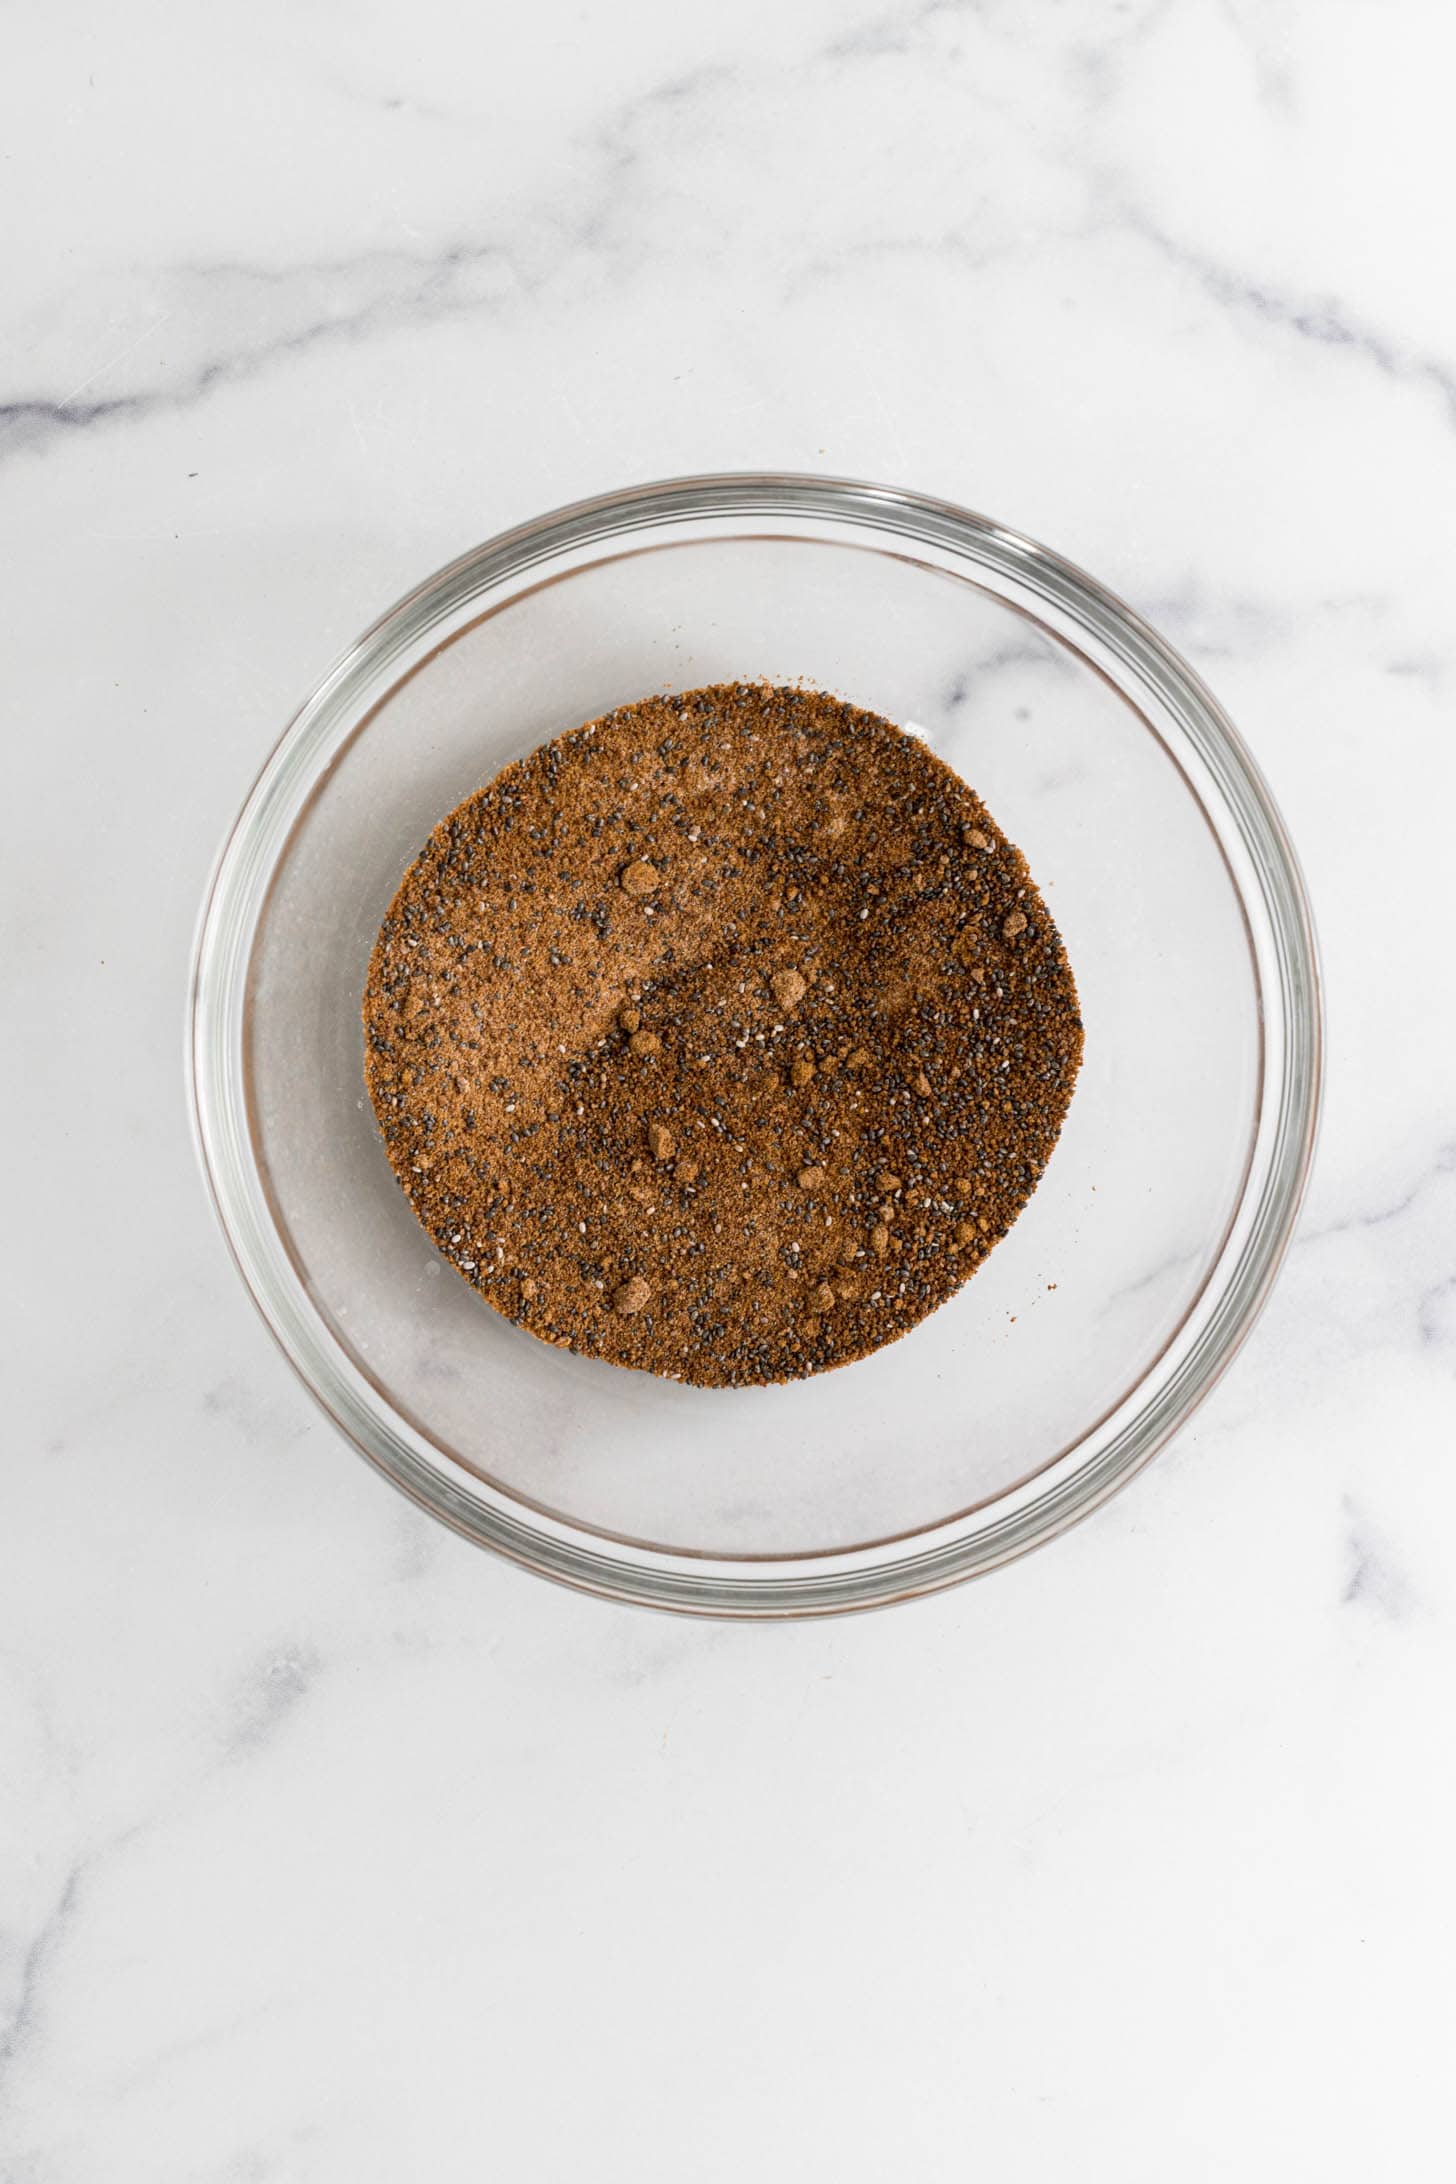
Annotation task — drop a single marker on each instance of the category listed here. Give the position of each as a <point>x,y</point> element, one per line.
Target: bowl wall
<point>1138,1261</point>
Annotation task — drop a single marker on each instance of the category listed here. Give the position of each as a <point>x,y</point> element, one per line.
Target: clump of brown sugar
<point>722,1037</point>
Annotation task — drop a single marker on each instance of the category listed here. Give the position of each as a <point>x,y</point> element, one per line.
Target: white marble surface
<point>330,1849</point>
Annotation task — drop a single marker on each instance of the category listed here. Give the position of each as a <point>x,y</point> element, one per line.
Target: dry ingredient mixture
<point>722,1037</point>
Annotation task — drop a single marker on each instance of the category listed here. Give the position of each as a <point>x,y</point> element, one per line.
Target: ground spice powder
<point>722,1037</point>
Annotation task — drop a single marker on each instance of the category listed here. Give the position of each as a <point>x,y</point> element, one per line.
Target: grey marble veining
<point>331,1850</point>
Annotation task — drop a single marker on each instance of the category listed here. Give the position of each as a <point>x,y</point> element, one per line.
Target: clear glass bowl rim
<point>977,1540</point>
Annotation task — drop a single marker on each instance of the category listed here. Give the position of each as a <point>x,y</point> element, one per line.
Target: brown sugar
<point>722,1037</point>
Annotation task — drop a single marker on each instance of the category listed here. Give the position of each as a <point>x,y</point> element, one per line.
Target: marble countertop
<point>332,1850</point>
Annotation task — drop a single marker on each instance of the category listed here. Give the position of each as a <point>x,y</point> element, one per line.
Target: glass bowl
<point>1143,1257</point>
